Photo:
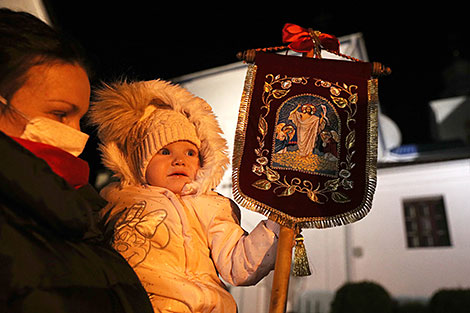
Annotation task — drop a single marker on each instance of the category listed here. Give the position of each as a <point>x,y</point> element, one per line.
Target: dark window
<point>426,222</point>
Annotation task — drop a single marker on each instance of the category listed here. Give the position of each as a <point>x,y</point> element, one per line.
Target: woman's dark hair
<point>26,41</point>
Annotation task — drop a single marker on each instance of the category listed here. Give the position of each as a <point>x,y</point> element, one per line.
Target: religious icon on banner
<point>306,136</point>
<point>306,141</point>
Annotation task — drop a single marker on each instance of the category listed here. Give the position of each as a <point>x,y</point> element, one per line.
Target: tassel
<point>301,266</point>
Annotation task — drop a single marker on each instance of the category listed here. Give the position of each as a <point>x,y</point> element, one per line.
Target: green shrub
<point>362,297</point>
<point>450,301</point>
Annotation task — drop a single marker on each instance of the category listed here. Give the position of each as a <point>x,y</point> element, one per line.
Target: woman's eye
<point>60,115</point>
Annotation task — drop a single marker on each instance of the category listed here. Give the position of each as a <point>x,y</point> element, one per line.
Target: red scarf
<point>74,170</point>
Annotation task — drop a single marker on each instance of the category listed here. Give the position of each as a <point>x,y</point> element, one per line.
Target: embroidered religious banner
<point>305,148</point>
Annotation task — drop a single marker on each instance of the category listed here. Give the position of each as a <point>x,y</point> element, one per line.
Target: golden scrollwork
<point>345,98</point>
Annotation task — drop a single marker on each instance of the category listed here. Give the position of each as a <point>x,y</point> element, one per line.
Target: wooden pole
<point>282,271</point>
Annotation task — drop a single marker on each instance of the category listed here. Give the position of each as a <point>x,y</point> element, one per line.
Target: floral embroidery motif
<point>135,231</point>
<point>307,139</point>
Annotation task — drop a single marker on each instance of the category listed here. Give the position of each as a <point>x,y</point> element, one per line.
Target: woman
<point>54,255</point>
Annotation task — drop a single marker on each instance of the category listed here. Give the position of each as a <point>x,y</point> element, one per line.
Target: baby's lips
<point>178,173</point>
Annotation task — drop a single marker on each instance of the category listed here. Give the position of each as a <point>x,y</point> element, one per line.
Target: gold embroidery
<point>345,98</point>
<point>275,214</point>
<point>350,105</point>
<point>306,138</point>
<point>305,164</point>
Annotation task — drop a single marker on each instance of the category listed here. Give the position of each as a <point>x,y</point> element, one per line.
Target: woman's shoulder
<point>43,194</point>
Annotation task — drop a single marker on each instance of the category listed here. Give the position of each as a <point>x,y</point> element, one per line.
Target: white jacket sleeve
<point>242,258</point>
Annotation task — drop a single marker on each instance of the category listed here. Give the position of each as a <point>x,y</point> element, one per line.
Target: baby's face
<point>173,166</point>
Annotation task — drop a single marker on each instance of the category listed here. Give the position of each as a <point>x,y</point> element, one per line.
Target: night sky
<point>427,48</point>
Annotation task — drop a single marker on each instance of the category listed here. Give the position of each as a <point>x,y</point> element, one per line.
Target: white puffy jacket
<point>178,246</point>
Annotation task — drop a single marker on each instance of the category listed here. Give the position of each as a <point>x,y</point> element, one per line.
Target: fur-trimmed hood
<point>122,116</point>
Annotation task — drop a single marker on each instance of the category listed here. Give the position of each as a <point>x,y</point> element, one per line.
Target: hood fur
<point>120,115</point>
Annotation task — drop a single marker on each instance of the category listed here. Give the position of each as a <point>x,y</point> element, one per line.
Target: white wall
<point>418,271</point>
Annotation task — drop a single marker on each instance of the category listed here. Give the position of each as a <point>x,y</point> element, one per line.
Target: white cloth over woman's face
<point>45,130</point>
<point>49,107</point>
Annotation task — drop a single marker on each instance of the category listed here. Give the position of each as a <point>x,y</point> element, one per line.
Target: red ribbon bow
<point>302,41</point>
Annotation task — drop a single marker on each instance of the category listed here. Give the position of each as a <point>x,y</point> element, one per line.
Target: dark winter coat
<point>54,255</point>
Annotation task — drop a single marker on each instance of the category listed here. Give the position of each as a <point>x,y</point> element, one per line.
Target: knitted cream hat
<point>164,126</point>
<point>135,120</point>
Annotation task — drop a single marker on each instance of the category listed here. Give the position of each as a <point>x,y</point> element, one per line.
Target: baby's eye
<point>192,153</point>
<point>165,151</point>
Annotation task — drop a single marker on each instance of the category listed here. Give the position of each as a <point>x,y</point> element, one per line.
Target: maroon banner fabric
<point>306,142</point>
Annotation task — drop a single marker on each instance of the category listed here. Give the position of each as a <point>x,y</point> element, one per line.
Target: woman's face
<point>57,91</point>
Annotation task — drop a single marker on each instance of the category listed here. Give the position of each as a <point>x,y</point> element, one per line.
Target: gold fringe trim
<point>281,218</point>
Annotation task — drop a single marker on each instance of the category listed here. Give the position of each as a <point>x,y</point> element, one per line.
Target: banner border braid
<point>352,214</point>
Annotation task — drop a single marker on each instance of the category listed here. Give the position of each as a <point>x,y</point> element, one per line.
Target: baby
<point>166,148</point>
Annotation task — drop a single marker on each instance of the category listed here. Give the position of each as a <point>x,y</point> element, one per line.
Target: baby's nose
<point>178,161</point>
